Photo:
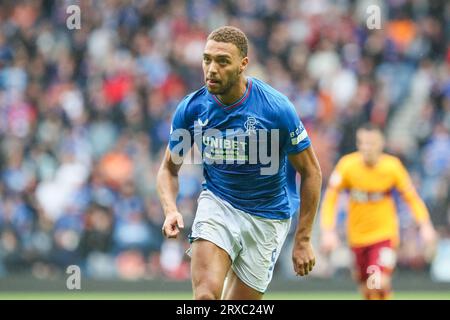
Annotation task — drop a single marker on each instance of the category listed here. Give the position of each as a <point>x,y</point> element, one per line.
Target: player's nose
<point>212,69</point>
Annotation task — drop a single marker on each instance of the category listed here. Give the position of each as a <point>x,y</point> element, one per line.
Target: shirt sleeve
<point>406,189</point>
<point>335,185</point>
<point>181,132</point>
<point>293,135</point>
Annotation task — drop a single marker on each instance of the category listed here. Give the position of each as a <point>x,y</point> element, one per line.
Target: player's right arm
<point>418,209</point>
<point>167,187</point>
<point>167,178</point>
<point>329,237</point>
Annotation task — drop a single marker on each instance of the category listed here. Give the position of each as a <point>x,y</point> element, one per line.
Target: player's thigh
<point>235,289</point>
<point>375,262</point>
<point>360,263</point>
<point>383,258</point>
<point>209,266</point>
<point>262,241</point>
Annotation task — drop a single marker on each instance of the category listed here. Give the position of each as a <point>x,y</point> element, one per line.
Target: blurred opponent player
<point>243,216</point>
<point>370,176</point>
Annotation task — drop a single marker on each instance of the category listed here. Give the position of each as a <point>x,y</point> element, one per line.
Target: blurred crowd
<point>85,114</point>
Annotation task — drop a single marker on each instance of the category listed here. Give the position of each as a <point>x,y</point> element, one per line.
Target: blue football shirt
<point>232,166</point>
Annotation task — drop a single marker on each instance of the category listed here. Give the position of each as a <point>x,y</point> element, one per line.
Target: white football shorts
<point>253,243</point>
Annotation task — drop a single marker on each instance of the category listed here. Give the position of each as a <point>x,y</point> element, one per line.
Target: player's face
<point>222,66</point>
<point>370,144</point>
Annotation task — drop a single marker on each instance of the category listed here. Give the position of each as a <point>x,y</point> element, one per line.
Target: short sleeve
<point>181,128</point>
<point>337,178</point>
<point>293,135</point>
<point>403,181</point>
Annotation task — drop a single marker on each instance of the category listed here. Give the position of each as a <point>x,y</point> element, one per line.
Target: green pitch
<point>437,295</point>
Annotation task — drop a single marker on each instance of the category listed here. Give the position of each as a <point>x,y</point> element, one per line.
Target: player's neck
<point>372,162</point>
<point>235,93</point>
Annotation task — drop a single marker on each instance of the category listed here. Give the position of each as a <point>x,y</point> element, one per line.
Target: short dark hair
<point>231,35</point>
<point>369,126</point>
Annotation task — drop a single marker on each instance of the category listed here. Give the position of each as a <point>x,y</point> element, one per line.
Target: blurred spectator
<point>85,114</point>
<point>96,242</point>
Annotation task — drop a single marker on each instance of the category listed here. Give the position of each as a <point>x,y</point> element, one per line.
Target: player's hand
<point>427,233</point>
<point>429,237</point>
<point>172,225</point>
<point>303,257</point>
<point>329,241</point>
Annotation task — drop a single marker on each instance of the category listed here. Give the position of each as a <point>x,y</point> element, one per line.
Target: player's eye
<point>206,60</point>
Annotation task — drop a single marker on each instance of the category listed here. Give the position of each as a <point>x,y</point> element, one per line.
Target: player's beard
<point>227,86</point>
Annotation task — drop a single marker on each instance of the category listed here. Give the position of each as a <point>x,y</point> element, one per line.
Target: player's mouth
<point>212,82</point>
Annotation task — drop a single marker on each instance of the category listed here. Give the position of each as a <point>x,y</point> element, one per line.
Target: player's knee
<point>384,292</point>
<point>207,289</point>
<point>385,282</point>
<point>205,293</point>
<point>380,293</point>
<point>365,291</point>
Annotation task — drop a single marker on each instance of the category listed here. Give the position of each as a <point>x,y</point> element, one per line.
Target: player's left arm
<point>418,209</point>
<point>296,144</point>
<point>306,163</point>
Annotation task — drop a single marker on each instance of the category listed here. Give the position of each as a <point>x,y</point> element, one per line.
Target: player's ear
<point>244,63</point>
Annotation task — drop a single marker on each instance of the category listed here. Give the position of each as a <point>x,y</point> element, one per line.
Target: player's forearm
<point>417,206</point>
<point>167,187</point>
<point>310,194</point>
<point>420,213</point>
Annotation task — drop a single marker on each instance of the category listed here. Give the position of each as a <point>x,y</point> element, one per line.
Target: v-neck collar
<point>240,101</point>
